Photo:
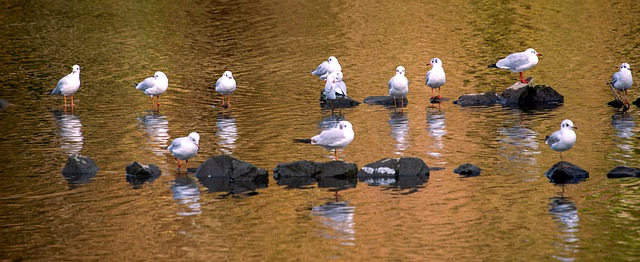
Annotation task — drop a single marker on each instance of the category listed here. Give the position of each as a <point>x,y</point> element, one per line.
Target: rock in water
<point>138,173</point>
<point>467,170</point>
<point>526,96</point>
<point>384,101</point>
<point>79,169</point>
<point>482,99</point>
<point>566,173</point>
<point>623,171</point>
<point>225,173</point>
<point>405,172</point>
<point>339,102</point>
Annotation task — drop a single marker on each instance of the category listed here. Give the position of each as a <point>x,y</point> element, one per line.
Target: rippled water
<point>509,212</point>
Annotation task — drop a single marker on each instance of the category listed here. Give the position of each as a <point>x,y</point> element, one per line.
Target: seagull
<point>435,77</point>
<point>398,86</point>
<point>327,67</point>
<point>563,139</point>
<point>154,86</point>
<point>226,85</point>
<point>333,138</point>
<point>622,80</point>
<point>68,85</point>
<point>518,62</point>
<point>334,87</point>
<point>183,148</point>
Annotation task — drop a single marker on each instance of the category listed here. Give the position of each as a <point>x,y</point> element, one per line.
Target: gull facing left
<point>622,80</point>
<point>183,148</point>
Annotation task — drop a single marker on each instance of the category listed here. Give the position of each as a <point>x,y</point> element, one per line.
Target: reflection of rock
<point>157,128</point>
<point>405,172</point>
<point>138,173</point>
<point>384,101</point>
<point>337,216</point>
<point>186,192</point>
<point>566,173</point>
<point>226,174</point>
<point>565,213</point>
<point>623,171</point>
<point>227,133</point>
<point>399,123</point>
<point>70,132</point>
<point>334,174</point>
<point>79,169</point>
<point>467,170</point>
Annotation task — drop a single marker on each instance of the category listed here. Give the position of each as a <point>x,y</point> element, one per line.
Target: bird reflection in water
<point>436,127</point>
<point>399,123</point>
<point>625,132</point>
<point>227,133</point>
<point>565,213</point>
<point>156,126</point>
<point>337,217</point>
<point>519,144</point>
<point>186,192</point>
<point>70,131</point>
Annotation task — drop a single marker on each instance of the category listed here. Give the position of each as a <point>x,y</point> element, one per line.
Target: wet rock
<point>524,95</point>
<point>138,173</point>
<point>616,104</point>
<point>637,102</point>
<point>437,100</point>
<point>482,99</point>
<point>404,172</point>
<point>384,101</point>
<point>467,170</point>
<point>79,169</point>
<point>623,171</point>
<point>339,102</point>
<point>566,173</point>
<point>225,173</point>
<point>334,174</point>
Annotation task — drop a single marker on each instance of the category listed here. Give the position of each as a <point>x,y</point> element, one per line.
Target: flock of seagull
<point>330,71</point>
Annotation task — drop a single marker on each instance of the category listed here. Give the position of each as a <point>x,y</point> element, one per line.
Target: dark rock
<point>404,172</point>
<point>3,104</point>
<point>616,104</point>
<point>467,170</point>
<point>384,101</point>
<point>637,102</point>
<point>524,95</point>
<point>225,173</point>
<point>623,171</point>
<point>437,100</point>
<point>339,102</point>
<point>566,173</point>
<point>138,173</point>
<point>79,169</point>
<point>330,174</point>
<point>482,99</point>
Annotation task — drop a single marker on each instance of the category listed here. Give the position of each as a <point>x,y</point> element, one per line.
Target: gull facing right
<point>518,62</point>
<point>68,85</point>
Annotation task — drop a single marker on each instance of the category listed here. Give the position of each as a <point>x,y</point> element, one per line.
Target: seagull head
<point>332,59</point>
<point>339,76</point>
<point>159,75</point>
<point>625,66</point>
<point>342,125</point>
<point>76,69</point>
<point>435,61</point>
<point>567,124</point>
<point>195,138</point>
<point>400,70</point>
<point>228,74</point>
<point>532,51</point>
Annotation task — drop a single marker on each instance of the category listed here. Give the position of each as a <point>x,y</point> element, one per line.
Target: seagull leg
<point>65,101</point>
<point>186,165</point>
<point>439,97</point>
<point>229,100</point>
<point>561,157</point>
<point>402,104</point>
<point>336,154</point>
<point>432,94</point>
<point>626,98</point>
<point>179,166</point>
<point>152,104</point>
<point>158,102</point>
<point>72,105</point>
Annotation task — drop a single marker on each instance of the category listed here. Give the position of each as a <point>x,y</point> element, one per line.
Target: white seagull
<point>335,87</point>
<point>327,67</point>
<point>333,138</point>
<point>435,77</point>
<point>226,85</point>
<point>518,62</point>
<point>563,139</point>
<point>398,86</point>
<point>68,85</point>
<point>154,86</point>
<point>183,148</point>
<point>622,80</point>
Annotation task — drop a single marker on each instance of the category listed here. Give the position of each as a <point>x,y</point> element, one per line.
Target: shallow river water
<point>510,212</point>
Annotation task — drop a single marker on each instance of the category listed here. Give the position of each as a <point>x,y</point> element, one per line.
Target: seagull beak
<point>428,64</point>
<point>538,54</point>
<point>574,127</point>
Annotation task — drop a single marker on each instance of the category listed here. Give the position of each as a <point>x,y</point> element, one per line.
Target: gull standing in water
<point>435,77</point>
<point>154,86</point>
<point>68,85</point>
<point>563,139</point>
<point>226,85</point>
<point>398,86</point>
<point>333,138</point>
<point>518,62</point>
<point>183,148</point>
<point>622,81</point>
<point>327,67</point>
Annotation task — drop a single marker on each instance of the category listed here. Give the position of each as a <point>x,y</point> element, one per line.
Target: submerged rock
<point>404,172</point>
<point>467,170</point>
<point>225,173</point>
<point>339,102</point>
<point>482,99</point>
<point>330,174</point>
<point>566,173</point>
<point>623,171</point>
<point>138,173</point>
<point>384,101</point>
<point>79,169</point>
<point>518,95</point>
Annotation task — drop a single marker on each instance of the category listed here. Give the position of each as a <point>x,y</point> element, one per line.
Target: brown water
<point>510,212</point>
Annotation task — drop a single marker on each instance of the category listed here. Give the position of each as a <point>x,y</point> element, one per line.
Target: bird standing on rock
<point>622,81</point>
<point>518,62</point>
<point>327,67</point>
<point>435,77</point>
<point>563,139</point>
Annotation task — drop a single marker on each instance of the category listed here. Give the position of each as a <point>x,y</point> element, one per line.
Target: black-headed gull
<point>68,85</point>
<point>333,138</point>
<point>154,86</point>
<point>327,67</point>
<point>398,86</point>
<point>226,85</point>
<point>435,77</point>
<point>518,62</point>
<point>335,87</point>
<point>183,148</point>
<point>563,139</point>
<point>622,80</point>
